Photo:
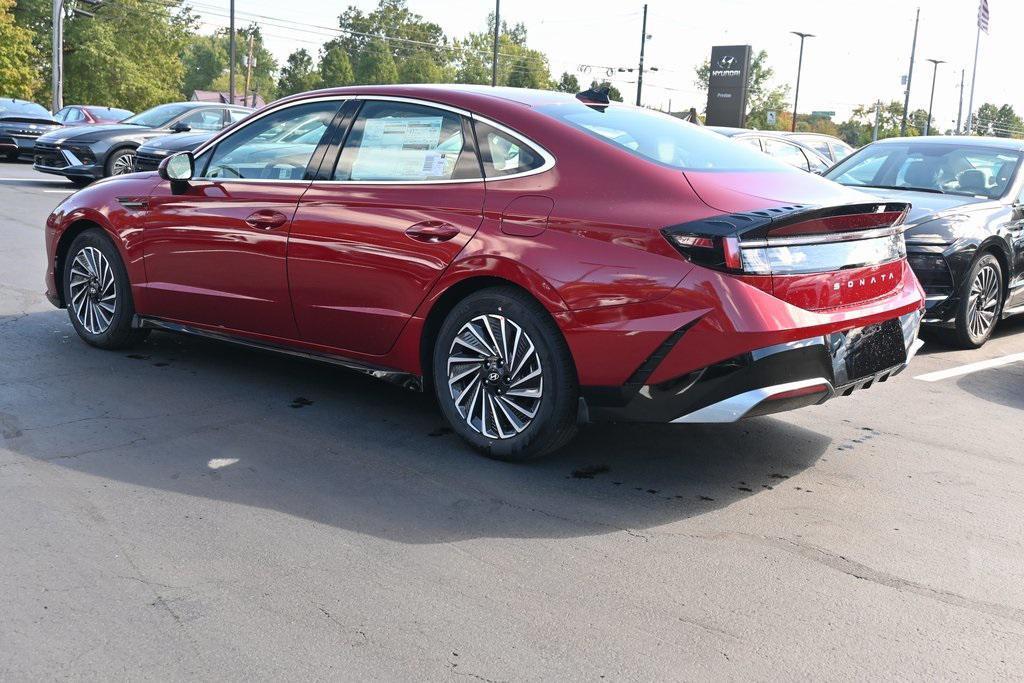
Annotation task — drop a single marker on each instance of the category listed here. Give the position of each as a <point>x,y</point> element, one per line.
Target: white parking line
<point>970,367</point>
<point>60,191</point>
<point>32,180</point>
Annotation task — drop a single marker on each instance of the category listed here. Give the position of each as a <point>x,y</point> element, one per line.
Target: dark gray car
<point>150,154</point>
<point>21,124</point>
<point>87,153</point>
<point>965,229</point>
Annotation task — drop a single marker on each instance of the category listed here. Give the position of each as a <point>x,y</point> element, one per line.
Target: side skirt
<point>402,379</point>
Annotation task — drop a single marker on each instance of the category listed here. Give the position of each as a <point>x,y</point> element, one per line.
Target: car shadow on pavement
<point>200,418</point>
<point>1001,385</point>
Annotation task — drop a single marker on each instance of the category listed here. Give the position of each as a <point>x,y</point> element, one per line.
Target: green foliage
<point>18,75</point>
<point>376,65</point>
<point>105,63</point>
<point>336,67</point>
<point>613,93</point>
<point>298,74</point>
<point>518,65</point>
<point>420,67</point>
<point>1002,121</point>
<point>206,63</point>
<point>568,83</point>
<point>762,97</point>
<point>205,59</point>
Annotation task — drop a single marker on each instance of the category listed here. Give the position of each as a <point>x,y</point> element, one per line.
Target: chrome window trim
<point>549,159</point>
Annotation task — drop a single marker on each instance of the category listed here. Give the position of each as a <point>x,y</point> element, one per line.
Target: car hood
<point>97,132</point>
<point>738,191</point>
<point>179,142</point>
<point>924,206</point>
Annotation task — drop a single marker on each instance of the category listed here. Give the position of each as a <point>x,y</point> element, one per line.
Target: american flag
<point>983,15</point>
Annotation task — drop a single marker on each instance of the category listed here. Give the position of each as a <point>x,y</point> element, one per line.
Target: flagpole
<point>974,76</point>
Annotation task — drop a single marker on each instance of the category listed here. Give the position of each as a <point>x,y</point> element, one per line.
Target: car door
<point>377,228</point>
<point>215,250</point>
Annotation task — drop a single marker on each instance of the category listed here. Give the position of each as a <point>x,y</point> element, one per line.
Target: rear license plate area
<point>874,348</point>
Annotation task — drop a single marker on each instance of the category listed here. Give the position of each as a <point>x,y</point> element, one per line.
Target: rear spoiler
<point>798,219</point>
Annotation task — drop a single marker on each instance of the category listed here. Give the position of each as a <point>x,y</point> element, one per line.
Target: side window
<point>503,154</point>
<point>818,145</point>
<point>204,119</point>
<point>784,151</point>
<point>278,146</point>
<point>841,150</point>
<point>73,115</point>
<point>236,115</point>
<point>752,141</point>
<point>62,115</point>
<point>818,164</point>
<point>399,141</point>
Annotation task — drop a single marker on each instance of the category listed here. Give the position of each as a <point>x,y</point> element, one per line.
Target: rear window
<point>16,108</point>
<point>110,114</point>
<point>663,139</point>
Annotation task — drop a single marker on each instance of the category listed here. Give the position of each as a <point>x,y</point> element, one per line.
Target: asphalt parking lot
<point>188,509</point>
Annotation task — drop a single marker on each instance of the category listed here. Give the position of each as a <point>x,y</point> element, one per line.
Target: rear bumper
<point>768,380</point>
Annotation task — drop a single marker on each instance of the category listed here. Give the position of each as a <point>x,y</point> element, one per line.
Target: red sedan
<point>535,259</point>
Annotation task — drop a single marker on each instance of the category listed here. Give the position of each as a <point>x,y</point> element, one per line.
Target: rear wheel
<point>504,376</point>
<point>981,303</point>
<point>120,162</point>
<point>98,293</point>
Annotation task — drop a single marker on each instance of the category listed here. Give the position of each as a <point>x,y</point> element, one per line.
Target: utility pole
<point>57,53</point>
<point>974,77</point>
<point>497,28</point>
<point>248,73</point>
<point>910,75</point>
<point>643,43</point>
<point>878,119</point>
<point>231,55</point>
<point>960,107</point>
<point>799,68</point>
<point>931,100</point>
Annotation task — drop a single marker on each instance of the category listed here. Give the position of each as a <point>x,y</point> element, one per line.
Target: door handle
<point>432,231</point>
<point>266,219</point>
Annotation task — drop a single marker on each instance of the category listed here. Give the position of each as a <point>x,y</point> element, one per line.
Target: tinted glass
<point>503,154</point>
<point>109,114</point>
<point>275,147</point>
<point>753,142</point>
<point>159,116</point>
<point>787,152</point>
<point>930,167</point>
<point>204,119</point>
<point>62,115</point>
<point>661,138</point>
<point>12,108</point>
<point>235,115</point>
<point>74,116</point>
<point>398,141</point>
<point>840,150</point>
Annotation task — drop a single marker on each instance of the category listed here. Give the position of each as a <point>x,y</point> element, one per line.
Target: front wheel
<point>98,294</point>
<point>504,377</point>
<point>120,162</point>
<point>981,303</point>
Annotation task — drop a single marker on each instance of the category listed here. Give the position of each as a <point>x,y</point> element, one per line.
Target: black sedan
<point>965,232</point>
<point>21,124</point>
<point>87,153</point>
<point>150,154</point>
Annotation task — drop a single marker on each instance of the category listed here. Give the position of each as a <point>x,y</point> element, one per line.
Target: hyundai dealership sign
<point>727,86</point>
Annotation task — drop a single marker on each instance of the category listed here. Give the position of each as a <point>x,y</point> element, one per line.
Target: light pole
<point>910,75</point>
<point>799,68</point>
<point>231,55</point>
<point>643,42</point>
<point>497,28</point>
<point>57,55</point>
<point>931,100</point>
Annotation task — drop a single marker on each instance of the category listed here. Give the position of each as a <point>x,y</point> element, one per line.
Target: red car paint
<point>343,275</point>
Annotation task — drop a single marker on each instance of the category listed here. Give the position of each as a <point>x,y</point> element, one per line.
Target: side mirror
<point>181,127</point>
<point>178,168</point>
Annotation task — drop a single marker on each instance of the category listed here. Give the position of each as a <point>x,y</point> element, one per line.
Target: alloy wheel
<point>983,304</point>
<point>93,290</point>
<point>495,376</point>
<point>123,164</point>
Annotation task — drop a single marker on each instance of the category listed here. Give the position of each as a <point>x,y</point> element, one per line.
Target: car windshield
<point>968,170</point>
<point>663,139</point>
<point>15,108</point>
<point>109,114</point>
<point>158,116</point>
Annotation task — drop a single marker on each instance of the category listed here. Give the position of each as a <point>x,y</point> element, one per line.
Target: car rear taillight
<point>782,250</point>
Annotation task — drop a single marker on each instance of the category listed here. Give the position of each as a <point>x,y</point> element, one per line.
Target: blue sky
<point>861,50</point>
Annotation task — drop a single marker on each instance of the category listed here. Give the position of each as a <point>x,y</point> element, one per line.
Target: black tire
<point>977,291</point>
<point>117,333</point>
<point>111,167</point>
<point>555,410</point>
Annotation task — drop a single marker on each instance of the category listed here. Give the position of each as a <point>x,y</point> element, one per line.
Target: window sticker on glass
<point>402,148</point>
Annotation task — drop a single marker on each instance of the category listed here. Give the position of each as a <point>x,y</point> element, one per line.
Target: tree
<point>205,59</point>
<point>298,74</point>
<point>568,83</point>
<point>336,67</point>
<point>420,67</point>
<point>18,75</point>
<point>1001,121</point>
<point>376,65</point>
<point>761,96</point>
<point>518,64</point>
<point>106,63</point>
<point>613,93</point>
<point>206,63</point>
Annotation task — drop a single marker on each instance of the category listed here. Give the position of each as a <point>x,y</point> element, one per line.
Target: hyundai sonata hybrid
<point>535,259</point>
